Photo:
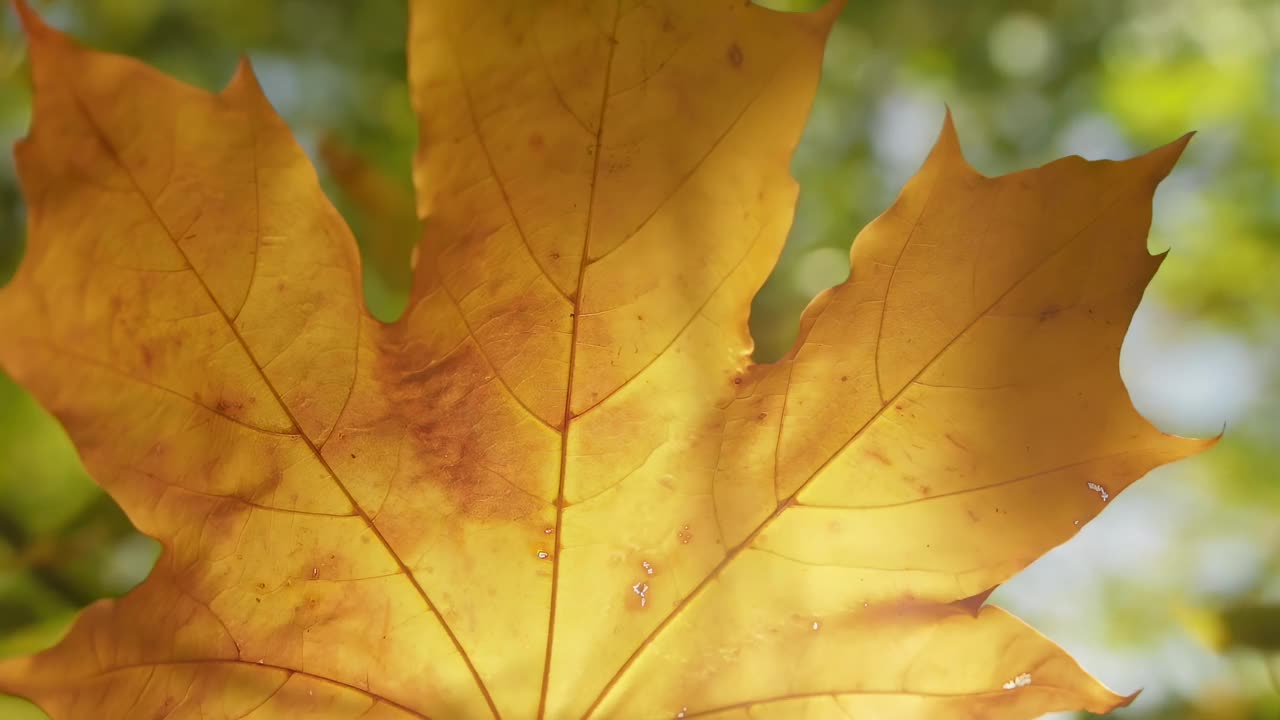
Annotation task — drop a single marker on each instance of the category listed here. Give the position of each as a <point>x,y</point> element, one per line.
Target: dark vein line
<point>246,502</point>
<point>888,288</point>
<point>151,676</point>
<point>257,706</point>
<point>748,704</point>
<point>115,154</point>
<point>733,552</point>
<point>715,472</point>
<point>72,354</point>
<point>612,39</point>
<point>555,87</point>
<point>221,623</point>
<point>638,467</point>
<point>844,566</point>
<point>782,419</point>
<point>395,473</point>
<point>648,77</point>
<point>493,171</point>
<point>257,221</point>
<point>511,483</point>
<point>462,315</point>
<point>697,166</point>
<point>290,672</point>
<point>179,706</point>
<point>355,377</point>
<point>835,700</point>
<point>980,488</point>
<point>679,333</point>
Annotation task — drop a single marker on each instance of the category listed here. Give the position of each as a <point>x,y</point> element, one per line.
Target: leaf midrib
<point>583,264</point>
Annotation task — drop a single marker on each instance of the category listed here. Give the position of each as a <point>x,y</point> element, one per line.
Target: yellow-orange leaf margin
<point>557,487</point>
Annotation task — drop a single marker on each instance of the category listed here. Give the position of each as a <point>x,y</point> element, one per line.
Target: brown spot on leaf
<point>879,457</point>
<point>735,55</point>
<point>227,407</point>
<point>1049,313</point>
<point>535,141</point>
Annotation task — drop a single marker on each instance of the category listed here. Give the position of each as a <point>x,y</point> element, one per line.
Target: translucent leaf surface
<point>557,487</point>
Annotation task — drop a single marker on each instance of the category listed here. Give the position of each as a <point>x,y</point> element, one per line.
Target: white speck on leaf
<point>1022,680</point>
<point>1102,492</point>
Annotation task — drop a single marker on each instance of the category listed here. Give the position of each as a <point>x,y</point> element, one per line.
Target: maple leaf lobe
<point>557,487</point>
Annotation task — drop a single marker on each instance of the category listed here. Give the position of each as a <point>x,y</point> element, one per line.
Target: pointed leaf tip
<point>1127,700</point>
<point>25,14</point>
<point>244,76</point>
<point>43,40</point>
<point>947,146</point>
<point>244,83</point>
<point>1162,159</point>
<point>32,24</point>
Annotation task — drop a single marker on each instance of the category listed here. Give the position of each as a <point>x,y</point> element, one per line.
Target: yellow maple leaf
<point>558,487</point>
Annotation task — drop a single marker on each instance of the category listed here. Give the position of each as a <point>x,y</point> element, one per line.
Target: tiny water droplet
<point>816,624</point>
<point>548,531</point>
<point>1102,492</point>
<point>682,712</point>
<point>864,604</point>
<point>260,660</point>
<point>315,572</point>
<point>543,554</point>
<point>1075,522</point>
<point>684,535</point>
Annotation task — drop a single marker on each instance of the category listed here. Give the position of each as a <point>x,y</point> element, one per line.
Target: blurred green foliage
<point>1027,81</point>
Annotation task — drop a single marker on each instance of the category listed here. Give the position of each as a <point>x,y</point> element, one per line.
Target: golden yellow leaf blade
<point>556,487</point>
<point>992,451</point>
<point>566,146</point>
<point>189,310</point>
<point>905,661</point>
<point>1013,427</point>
